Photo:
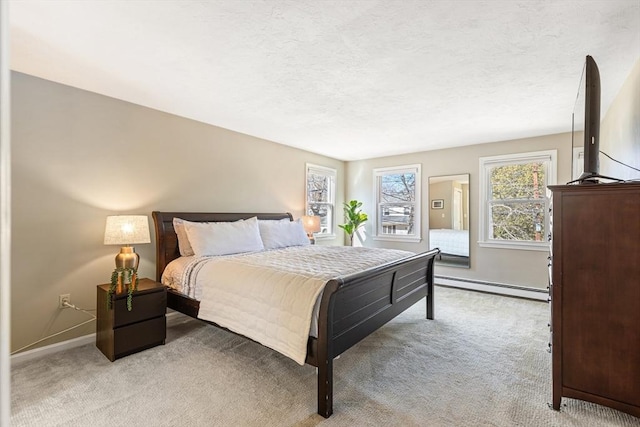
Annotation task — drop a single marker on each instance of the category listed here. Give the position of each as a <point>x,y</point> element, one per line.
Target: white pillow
<point>282,234</point>
<point>224,238</point>
<point>183,241</point>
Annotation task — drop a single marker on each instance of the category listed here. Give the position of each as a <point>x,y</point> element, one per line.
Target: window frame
<point>549,157</point>
<point>577,162</point>
<point>377,225</point>
<point>332,174</point>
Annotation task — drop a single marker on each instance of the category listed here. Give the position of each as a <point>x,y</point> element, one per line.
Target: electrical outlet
<point>62,299</point>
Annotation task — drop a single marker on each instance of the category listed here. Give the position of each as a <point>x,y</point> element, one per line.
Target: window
<point>578,162</point>
<point>321,197</point>
<point>514,211</point>
<point>397,197</point>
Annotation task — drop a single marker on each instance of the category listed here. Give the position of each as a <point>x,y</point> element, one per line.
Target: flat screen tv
<point>591,122</point>
<point>589,98</point>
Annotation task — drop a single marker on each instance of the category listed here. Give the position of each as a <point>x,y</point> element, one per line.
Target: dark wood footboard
<point>352,307</point>
<point>355,306</point>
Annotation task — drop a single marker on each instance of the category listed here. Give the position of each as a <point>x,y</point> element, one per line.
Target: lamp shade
<point>311,224</point>
<point>127,230</point>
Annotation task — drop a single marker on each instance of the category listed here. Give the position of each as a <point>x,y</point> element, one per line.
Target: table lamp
<point>127,230</point>
<point>311,225</point>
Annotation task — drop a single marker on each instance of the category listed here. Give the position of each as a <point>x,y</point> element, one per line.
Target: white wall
<point>79,157</point>
<point>620,130</point>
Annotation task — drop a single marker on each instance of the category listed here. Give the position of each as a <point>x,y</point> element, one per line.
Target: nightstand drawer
<point>120,332</point>
<point>139,336</point>
<point>145,306</point>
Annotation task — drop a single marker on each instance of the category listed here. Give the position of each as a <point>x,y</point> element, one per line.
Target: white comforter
<point>452,242</point>
<point>269,296</point>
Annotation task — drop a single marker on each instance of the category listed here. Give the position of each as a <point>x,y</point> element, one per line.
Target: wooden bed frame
<point>352,307</point>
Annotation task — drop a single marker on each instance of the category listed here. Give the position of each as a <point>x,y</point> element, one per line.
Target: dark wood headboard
<point>167,240</point>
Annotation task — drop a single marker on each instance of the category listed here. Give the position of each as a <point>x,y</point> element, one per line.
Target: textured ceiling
<point>348,79</point>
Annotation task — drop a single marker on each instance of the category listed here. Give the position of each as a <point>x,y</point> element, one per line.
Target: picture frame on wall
<point>437,204</point>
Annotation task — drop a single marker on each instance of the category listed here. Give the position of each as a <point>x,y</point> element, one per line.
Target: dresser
<point>120,332</point>
<point>595,294</point>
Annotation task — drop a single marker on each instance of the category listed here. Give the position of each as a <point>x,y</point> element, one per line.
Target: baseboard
<point>455,282</point>
<point>51,349</point>
<point>494,288</point>
<point>59,346</point>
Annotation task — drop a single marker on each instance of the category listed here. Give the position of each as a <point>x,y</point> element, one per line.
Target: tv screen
<point>586,116</point>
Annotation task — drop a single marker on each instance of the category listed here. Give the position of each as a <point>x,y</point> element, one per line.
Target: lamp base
<point>127,258</point>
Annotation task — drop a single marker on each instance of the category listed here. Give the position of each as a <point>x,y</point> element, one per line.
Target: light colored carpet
<point>482,362</point>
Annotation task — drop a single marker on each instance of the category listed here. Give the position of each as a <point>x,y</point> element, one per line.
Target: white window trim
<point>377,172</point>
<point>578,162</point>
<point>5,217</point>
<point>333,173</point>
<point>551,174</point>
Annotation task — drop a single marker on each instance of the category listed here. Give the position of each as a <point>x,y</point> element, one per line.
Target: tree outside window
<point>515,206</point>
<point>397,194</point>
<point>321,196</point>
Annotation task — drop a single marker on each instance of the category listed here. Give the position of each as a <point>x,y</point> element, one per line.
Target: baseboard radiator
<point>494,288</point>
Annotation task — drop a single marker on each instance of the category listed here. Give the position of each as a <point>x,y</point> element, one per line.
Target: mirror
<point>449,219</point>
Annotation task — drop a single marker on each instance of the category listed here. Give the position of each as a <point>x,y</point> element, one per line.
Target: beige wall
<point>75,154</point>
<point>78,157</point>
<point>620,130</point>
<point>440,218</point>
<point>5,219</point>
<point>443,218</point>
<point>619,137</point>
<point>517,267</point>
<point>465,206</point>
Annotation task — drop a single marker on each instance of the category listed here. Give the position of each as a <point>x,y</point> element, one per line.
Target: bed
<point>350,307</point>
<point>451,242</point>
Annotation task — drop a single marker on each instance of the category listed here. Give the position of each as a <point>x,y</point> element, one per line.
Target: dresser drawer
<point>145,306</point>
<point>139,336</point>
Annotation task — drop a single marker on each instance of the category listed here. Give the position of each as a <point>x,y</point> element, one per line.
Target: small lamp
<point>127,230</point>
<point>311,225</point>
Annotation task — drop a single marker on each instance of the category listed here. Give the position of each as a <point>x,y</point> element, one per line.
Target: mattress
<point>452,242</point>
<point>273,296</point>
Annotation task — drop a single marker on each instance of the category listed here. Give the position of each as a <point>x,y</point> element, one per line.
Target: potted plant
<point>121,277</point>
<point>354,217</point>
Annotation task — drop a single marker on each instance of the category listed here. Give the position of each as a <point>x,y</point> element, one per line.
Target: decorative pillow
<point>224,238</point>
<point>282,234</point>
<point>183,241</point>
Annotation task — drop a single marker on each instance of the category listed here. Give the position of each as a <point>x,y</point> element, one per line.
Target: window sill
<point>412,239</point>
<point>522,246</point>
<point>324,236</point>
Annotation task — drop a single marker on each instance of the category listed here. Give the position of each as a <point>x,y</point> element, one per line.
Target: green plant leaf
<point>354,217</point>
<point>115,274</point>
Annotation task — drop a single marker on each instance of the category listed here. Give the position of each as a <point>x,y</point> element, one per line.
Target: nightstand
<point>120,332</point>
